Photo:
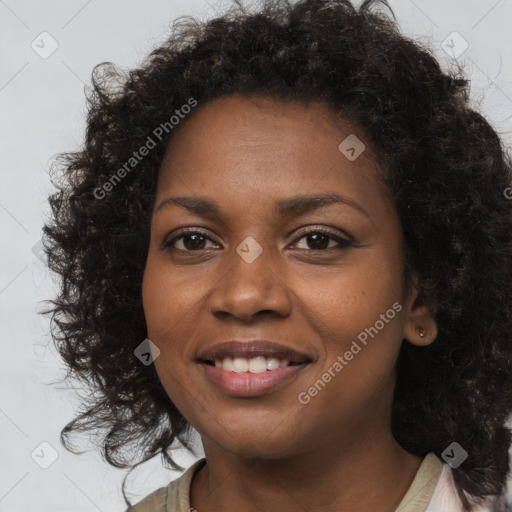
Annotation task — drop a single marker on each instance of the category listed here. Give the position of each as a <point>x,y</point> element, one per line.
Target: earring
<point>422,332</point>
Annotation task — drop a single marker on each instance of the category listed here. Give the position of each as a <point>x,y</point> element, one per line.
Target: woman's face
<point>249,271</point>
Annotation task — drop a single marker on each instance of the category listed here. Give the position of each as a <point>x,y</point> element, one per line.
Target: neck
<point>370,475</point>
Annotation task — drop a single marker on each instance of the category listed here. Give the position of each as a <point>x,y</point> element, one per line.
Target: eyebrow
<point>283,207</point>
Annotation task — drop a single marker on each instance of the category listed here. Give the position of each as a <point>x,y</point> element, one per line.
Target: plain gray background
<point>42,109</point>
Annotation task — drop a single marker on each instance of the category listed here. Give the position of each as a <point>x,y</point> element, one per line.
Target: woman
<point>288,230</point>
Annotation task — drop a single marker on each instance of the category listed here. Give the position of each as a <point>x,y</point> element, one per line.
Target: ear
<point>420,327</point>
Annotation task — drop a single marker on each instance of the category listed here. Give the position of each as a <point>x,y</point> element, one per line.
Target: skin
<point>271,452</point>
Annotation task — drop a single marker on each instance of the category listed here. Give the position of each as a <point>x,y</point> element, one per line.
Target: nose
<point>250,288</point>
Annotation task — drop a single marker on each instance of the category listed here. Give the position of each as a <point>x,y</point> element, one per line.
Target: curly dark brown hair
<point>446,167</point>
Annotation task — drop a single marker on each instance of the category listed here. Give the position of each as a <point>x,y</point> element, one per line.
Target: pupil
<point>325,240</point>
<point>194,243</point>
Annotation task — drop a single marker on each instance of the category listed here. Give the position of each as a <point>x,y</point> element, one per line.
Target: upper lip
<point>253,348</point>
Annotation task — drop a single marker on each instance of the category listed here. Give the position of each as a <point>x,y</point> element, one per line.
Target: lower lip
<point>250,384</point>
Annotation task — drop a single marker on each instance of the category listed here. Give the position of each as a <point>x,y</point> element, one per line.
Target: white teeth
<point>257,365</point>
<point>227,364</point>
<point>240,365</point>
<point>254,365</point>
<point>272,363</point>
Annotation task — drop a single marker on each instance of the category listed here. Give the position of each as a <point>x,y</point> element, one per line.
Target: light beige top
<point>432,490</point>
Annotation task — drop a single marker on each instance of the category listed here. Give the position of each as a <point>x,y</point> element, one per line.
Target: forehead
<point>251,123</point>
<point>258,148</point>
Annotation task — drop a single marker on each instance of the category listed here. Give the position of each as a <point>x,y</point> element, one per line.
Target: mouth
<point>254,365</point>
<point>255,356</point>
<point>250,377</point>
<point>251,368</point>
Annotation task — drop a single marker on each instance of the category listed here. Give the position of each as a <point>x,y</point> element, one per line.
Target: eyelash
<point>343,243</point>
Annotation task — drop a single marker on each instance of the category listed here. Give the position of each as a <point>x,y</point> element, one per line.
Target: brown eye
<point>316,240</point>
<point>319,240</point>
<point>191,241</point>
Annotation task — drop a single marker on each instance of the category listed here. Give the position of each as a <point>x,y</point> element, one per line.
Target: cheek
<point>358,318</point>
<point>354,377</point>
<point>167,302</point>
<point>174,311</point>
<point>169,299</point>
<point>347,302</point>
<point>155,300</point>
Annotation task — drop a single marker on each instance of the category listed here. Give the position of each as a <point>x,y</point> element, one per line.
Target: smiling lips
<point>251,368</point>
<point>250,349</point>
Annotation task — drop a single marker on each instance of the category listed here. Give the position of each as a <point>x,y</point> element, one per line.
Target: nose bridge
<point>252,266</point>
<point>251,283</point>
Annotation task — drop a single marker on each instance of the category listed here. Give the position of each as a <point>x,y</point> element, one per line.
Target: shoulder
<point>175,497</point>
<point>445,497</point>
<point>154,502</point>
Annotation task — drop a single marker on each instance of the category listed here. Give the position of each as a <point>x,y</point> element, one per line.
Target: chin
<point>257,441</point>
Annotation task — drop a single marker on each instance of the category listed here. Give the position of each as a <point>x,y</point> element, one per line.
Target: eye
<point>317,239</point>
<point>191,241</point>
